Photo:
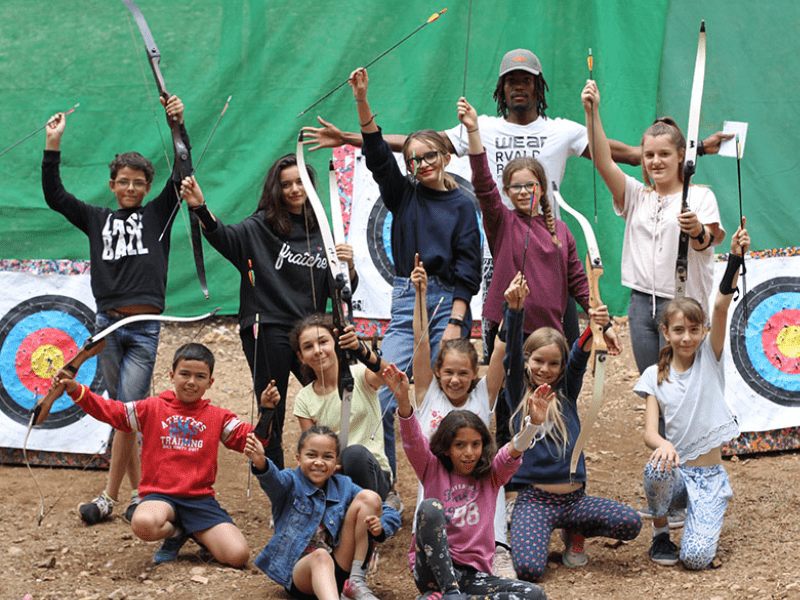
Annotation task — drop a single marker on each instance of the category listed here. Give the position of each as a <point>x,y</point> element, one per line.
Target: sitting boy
<point>181,432</point>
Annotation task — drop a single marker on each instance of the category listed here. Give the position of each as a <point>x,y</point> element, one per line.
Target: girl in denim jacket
<point>324,523</point>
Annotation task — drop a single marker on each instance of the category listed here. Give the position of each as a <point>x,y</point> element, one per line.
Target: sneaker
<point>676,517</point>
<point>510,502</point>
<point>358,591</point>
<point>663,551</point>
<point>574,554</point>
<point>135,500</point>
<point>171,547</point>
<point>98,509</point>
<point>394,500</point>
<point>502,566</point>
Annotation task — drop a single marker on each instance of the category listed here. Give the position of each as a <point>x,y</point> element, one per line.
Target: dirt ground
<point>63,559</point>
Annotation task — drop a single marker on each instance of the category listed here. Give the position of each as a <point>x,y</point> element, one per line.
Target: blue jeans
<point>645,324</point>
<point>398,342</point>
<point>128,358</point>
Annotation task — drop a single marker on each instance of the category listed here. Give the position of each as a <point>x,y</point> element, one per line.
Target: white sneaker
<point>394,500</point>
<point>502,565</point>
<point>510,502</point>
<point>676,517</point>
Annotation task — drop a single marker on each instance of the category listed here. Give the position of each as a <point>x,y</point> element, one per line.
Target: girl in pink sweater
<point>461,473</point>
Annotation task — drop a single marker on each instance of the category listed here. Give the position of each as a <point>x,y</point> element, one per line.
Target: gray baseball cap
<point>520,60</point>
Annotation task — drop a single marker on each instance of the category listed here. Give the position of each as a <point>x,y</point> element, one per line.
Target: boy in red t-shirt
<point>181,432</point>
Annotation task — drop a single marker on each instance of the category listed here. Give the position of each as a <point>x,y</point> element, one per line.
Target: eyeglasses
<point>139,185</point>
<point>518,187</point>
<point>429,158</point>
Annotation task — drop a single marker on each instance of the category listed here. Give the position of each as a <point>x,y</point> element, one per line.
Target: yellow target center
<point>47,360</point>
<point>789,341</point>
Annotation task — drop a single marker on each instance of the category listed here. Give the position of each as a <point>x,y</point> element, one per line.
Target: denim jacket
<point>298,508</point>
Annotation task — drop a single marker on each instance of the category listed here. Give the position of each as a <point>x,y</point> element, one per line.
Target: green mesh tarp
<point>276,58</point>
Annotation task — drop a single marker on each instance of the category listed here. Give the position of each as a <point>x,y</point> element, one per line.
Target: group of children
<point>325,524</point>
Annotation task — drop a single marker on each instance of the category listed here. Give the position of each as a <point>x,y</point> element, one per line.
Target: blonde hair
<point>692,312</point>
<point>522,163</point>
<point>554,421</point>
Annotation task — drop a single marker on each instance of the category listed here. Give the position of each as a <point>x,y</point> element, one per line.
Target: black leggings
<point>435,570</point>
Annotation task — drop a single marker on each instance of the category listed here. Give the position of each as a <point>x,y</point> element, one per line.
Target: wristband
<point>587,333</point>
<point>701,236</point>
<point>528,437</point>
<point>607,326</point>
<point>710,241</point>
<point>701,149</point>
<point>263,428</point>
<point>472,130</point>
<point>370,120</point>
<point>363,354</point>
<point>205,217</point>
<point>734,262</point>
<point>454,321</point>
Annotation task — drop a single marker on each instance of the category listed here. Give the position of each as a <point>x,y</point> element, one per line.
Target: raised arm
<point>469,118</point>
<point>740,242</point>
<point>608,169</point>
<point>54,131</point>
<point>423,374</point>
<point>515,296</point>
<point>398,383</point>
<point>330,136</point>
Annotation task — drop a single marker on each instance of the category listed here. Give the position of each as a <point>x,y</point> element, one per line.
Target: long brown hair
<point>272,202</point>
<point>435,141</point>
<point>554,421</point>
<point>324,321</point>
<point>443,438</point>
<point>534,166</point>
<point>665,126</point>
<point>692,312</point>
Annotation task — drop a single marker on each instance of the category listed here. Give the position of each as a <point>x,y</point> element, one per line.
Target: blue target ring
<point>27,340</point>
<point>772,376</point>
<point>379,230</point>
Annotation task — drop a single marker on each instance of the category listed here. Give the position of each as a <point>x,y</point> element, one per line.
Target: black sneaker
<point>663,551</point>
<point>171,547</point>
<point>97,510</point>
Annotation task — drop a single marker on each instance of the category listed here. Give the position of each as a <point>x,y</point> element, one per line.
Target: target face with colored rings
<point>379,230</point>
<point>37,337</point>
<point>766,348</point>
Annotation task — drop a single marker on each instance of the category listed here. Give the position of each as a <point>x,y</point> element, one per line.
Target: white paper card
<point>728,147</point>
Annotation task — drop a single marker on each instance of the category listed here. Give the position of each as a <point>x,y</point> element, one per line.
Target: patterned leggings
<point>705,492</point>
<point>435,570</point>
<point>537,513</point>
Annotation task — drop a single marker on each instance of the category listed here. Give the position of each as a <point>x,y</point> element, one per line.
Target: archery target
<point>765,346</point>
<point>379,230</point>
<point>37,337</point>
<point>370,232</point>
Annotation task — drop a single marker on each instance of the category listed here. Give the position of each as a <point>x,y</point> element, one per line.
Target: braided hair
<point>534,166</point>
